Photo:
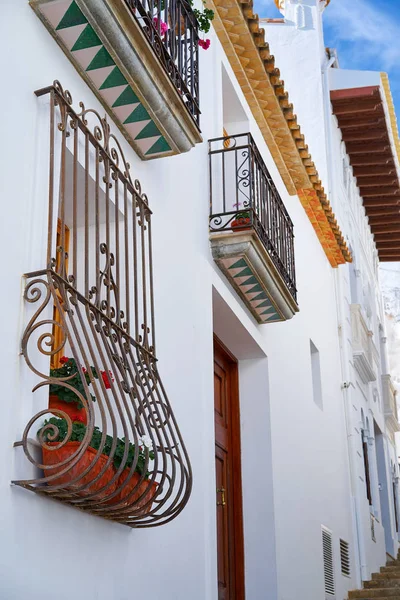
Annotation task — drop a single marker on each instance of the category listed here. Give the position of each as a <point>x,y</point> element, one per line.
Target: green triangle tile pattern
<point>73,16</point>
<point>101,60</point>
<point>239,264</point>
<point>241,268</point>
<point>247,272</point>
<point>159,147</point>
<point>128,96</point>
<point>149,131</point>
<point>89,39</point>
<point>115,79</point>
<point>139,114</point>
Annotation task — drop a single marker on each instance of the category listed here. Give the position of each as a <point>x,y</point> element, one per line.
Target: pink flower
<point>163,26</point>
<point>205,44</point>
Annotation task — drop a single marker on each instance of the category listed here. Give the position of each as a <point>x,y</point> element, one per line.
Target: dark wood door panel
<point>228,477</point>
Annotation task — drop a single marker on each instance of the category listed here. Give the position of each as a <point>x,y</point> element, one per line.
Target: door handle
<point>222,492</point>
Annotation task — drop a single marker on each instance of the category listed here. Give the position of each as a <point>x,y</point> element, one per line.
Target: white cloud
<point>372,30</point>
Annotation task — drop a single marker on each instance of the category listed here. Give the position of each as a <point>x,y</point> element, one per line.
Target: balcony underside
<point>108,48</point>
<point>246,263</point>
<point>363,367</point>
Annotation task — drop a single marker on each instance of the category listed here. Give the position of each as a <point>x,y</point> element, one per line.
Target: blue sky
<point>366,34</point>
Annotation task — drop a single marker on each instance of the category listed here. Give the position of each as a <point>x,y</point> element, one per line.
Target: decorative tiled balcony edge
<point>109,50</point>
<point>248,266</point>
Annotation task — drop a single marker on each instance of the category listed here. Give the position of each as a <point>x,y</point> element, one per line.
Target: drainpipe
<point>328,136</point>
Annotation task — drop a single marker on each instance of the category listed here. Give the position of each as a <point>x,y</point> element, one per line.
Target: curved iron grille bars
<point>103,291</point>
<point>241,187</point>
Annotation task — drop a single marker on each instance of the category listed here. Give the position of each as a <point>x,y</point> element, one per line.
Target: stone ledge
<point>246,263</point>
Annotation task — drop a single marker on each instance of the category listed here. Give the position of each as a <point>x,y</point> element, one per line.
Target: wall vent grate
<point>345,558</point>
<point>327,551</point>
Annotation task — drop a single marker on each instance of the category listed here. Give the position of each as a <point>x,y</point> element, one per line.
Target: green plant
<point>203,17</point>
<point>243,215</point>
<point>78,434</point>
<point>68,368</point>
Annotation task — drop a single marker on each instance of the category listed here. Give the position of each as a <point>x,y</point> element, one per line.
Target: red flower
<point>205,44</point>
<point>64,359</point>
<point>78,418</point>
<point>106,379</point>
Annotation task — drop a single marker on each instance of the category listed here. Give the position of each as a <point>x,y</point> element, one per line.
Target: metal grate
<point>327,551</point>
<point>172,31</point>
<point>102,289</point>
<point>243,195</point>
<point>345,558</point>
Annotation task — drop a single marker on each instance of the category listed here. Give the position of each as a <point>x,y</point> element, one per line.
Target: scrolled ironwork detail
<point>122,457</point>
<point>243,196</point>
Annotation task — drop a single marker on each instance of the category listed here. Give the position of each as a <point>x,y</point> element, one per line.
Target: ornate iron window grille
<point>243,195</point>
<point>103,291</point>
<point>173,33</point>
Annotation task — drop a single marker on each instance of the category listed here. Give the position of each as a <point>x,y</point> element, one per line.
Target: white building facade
<point>275,472</point>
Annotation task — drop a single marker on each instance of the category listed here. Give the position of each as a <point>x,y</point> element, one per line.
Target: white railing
<point>390,403</point>
<point>364,350</point>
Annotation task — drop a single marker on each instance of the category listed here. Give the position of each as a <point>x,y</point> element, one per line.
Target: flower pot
<point>178,29</point>
<point>241,223</point>
<point>67,480</point>
<point>70,408</point>
<point>133,500</point>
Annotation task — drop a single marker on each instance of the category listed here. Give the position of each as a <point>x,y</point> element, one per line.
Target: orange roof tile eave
<point>244,43</point>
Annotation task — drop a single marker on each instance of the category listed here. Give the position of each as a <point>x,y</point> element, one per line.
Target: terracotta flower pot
<point>133,500</point>
<point>178,29</point>
<point>241,223</point>
<point>70,408</point>
<point>52,457</point>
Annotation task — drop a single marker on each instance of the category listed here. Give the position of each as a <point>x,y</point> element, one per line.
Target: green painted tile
<point>251,281</point>
<point>256,288</point>
<point>87,39</point>
<point>149,131</point>
<point>247,272</point>
<point>73,16</point>
<point>161,145</point>
<point>261,296</point>
<point>128,96</point>
<point>266,303</point>
<point>101,60</point>
<point>139,114</point>
<point>240,263</point>
<point>114,79</point>
<point>269,311</point>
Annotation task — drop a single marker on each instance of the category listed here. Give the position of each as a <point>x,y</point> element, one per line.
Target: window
<point>57,329</point>
<point>345,558</point>
<point>327,552</point>
<point>316,375</point>
<point>364,442</point>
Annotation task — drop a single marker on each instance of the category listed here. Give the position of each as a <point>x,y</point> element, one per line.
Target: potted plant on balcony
<point>241,220</point>
<point>65,399</point>
<point>136,494</point>
<point>52,433</point>
<point>203,18</point>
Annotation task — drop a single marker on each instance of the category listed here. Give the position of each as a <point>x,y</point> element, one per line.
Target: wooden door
<point>228,476</point>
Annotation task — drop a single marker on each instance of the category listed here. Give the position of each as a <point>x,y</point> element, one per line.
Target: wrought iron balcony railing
<point>243,196</point>
<point>172,31</point>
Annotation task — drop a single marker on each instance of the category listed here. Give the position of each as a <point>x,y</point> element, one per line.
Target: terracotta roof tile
<point>239,31</point>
